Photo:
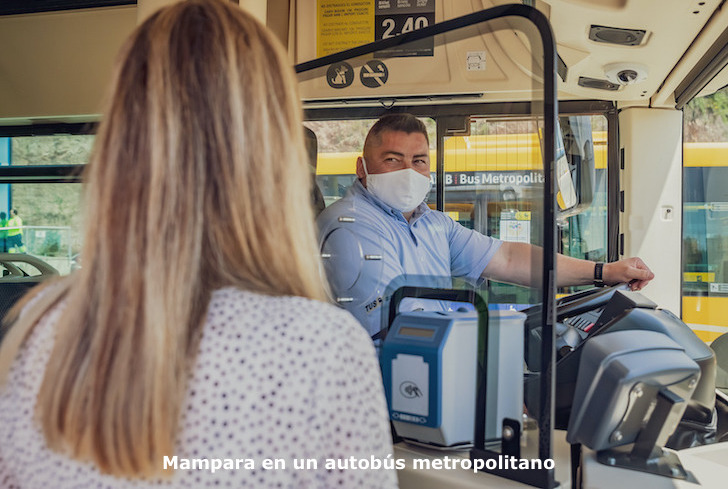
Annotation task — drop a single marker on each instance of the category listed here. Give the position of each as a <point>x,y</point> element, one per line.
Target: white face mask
<point>401,189</point>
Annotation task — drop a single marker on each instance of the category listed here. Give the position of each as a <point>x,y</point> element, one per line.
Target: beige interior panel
<point>652,184</point>
<point>58,64</point>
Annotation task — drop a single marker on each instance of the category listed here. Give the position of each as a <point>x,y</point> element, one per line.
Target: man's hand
<point>630,270</point>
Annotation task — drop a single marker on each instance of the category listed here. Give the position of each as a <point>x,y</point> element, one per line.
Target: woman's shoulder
<point>290,312</point>
<point>235,297</point>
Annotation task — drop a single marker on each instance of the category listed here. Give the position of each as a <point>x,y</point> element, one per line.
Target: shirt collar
<point>358,189</point>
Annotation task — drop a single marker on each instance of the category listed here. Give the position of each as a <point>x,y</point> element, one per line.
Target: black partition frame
<point>538,477</point>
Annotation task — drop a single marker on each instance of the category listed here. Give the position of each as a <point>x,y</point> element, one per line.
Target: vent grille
<point>616,35</point>
<point>597,83</point>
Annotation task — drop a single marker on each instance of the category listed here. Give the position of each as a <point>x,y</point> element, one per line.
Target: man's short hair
<point>394,122</point>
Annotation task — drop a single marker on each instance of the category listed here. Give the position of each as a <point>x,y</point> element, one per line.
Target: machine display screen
<point>422,333</point>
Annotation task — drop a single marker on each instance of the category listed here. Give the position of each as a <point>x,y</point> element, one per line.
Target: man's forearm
<point>521,263</point>
<point>573,271</point>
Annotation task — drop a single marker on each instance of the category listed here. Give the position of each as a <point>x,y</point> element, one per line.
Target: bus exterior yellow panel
<point>493,152</point>
<point>707,316</point>
<point>705,154</point>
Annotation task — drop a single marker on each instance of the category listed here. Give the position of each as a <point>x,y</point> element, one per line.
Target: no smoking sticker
<point>374,74</point>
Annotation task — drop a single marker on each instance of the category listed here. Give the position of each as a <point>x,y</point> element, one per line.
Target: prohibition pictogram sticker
<point>340,75</point>
<point>374,74</point>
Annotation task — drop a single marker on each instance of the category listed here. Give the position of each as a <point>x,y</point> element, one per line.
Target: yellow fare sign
<point>343,24</point>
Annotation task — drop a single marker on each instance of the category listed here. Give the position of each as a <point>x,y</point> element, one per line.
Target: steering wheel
<point>571,305</point>
<point>574,304</point>
<point>586,300</point>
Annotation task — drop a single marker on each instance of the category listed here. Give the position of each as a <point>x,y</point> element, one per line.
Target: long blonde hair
<point>198,180</point>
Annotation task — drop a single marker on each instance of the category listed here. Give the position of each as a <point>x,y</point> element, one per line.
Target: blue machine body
<point>428,364</point>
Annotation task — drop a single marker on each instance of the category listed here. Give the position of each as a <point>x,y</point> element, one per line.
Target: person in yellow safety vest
<point>14,238</point>
<point>3,232</point>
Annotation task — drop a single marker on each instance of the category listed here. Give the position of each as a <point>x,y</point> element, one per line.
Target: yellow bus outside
<point>498,152</point>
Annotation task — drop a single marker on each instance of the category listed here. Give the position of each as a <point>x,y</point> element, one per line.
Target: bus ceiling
<point>652,53</point>
<point>635,53</point>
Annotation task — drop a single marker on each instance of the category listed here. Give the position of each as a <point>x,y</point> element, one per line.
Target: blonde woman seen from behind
<point>195,342</point>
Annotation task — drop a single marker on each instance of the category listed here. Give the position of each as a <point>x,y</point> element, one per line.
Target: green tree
<point>706,118</point>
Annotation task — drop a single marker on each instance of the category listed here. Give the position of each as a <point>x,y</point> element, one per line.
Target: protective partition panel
<point>419,280</point>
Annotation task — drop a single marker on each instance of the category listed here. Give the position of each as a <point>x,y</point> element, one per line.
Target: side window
<point>494,183</point>
<point>48,221</point>
<point>705,215</point>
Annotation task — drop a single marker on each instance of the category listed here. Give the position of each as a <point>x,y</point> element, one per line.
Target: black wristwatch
<point>598,269</point>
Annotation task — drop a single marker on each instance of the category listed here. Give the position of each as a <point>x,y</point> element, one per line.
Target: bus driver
<point>386,211</point>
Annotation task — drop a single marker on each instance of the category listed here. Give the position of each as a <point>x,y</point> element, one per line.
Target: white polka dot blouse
<point>286,393</point>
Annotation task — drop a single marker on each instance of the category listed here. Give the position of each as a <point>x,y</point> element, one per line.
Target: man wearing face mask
<point>382,234</point>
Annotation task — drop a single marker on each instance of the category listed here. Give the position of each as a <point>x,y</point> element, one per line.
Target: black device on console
<point>597,311</point>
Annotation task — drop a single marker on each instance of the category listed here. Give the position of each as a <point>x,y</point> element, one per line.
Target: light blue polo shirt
<point>370,250</point>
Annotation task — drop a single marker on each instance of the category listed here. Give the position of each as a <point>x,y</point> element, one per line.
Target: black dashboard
<point>598,311</point>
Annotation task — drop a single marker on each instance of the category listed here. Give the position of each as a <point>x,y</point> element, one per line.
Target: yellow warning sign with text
<point>343,24</point>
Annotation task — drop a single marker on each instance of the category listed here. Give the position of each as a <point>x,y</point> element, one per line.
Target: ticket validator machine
<point>429,365</point>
